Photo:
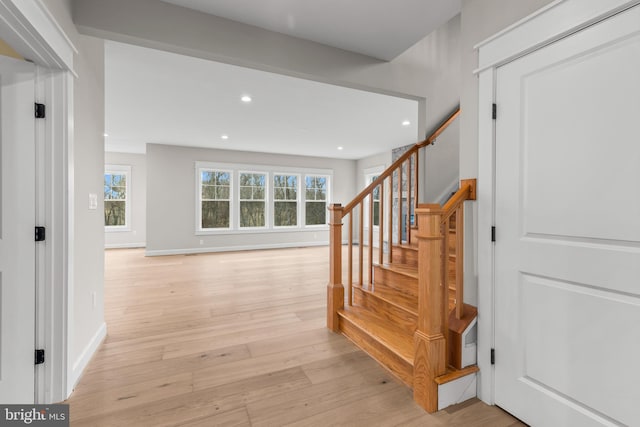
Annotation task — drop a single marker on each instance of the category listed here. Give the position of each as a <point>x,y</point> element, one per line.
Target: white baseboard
<point>162,252</point>
<point>86,355</point>
<point>457,391</point>
<point>125,245</point>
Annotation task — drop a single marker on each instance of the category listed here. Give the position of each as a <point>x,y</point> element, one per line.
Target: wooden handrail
<point>467,191</point>
<point>395,165</point>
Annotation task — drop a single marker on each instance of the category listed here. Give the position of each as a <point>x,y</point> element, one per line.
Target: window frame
<point>112,169</point>
<point>213,168</point>
<point>269,170</point>
<point>265,200</point>
<point>327,200</point>
<point>298,198</point>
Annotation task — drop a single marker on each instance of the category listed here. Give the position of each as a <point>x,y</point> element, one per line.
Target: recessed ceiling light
<point>246,98</point>
<point>406,123</point>
<point>105,134</point>
<point>340,148</point>
<point>225,137</point>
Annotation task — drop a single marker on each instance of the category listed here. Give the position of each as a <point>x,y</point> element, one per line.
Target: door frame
<point>549,24</point>
<point>32,31</point>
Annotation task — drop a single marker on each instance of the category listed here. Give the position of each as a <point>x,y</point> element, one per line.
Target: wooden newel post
<point>335,290</point>
<point>429,340</point>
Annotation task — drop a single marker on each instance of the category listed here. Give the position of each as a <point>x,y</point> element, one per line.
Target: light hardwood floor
<point>238,339</point>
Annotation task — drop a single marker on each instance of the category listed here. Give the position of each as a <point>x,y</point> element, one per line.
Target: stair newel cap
<point>428,209</point>
<point>335,213</point>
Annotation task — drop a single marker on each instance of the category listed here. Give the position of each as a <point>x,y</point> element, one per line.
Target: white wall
<point>136,236</point>
<point>88,164</point>
<point>171,199</point>
<point>480,20</point>
<point>86,280</point>
<point>439,179</point>
<point>380,159</point>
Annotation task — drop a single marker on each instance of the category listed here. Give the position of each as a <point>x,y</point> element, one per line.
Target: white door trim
<point>551,23</point>
<point>33,32</point>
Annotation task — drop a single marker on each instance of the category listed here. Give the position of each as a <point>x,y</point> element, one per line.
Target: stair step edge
<point>453,375</point>
<point>387,300</point>
<point>407,358</point>
<point>402,270</point>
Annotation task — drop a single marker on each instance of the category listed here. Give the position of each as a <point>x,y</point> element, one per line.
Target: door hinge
<point>493,234</point>
<point>40,234</point>
<point>39,360</point>
<point>40,111</point>
<point>493,356</point>
<point>494,111</point>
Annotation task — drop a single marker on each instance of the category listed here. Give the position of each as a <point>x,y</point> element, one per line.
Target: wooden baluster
<point>415,186</point>
<point>445,279</point>
<point>335,290</point>
<point>390,219</point>
<point>400,204</point>
<point>380,224</point>
<point>361,245</point>
<point>429,338</point>
<point>370,242</point>
<point>350,260</point>
<point>408,221</point>
<point>460,261</point>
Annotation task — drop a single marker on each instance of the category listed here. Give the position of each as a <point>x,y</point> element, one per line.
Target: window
<point>376,202</point>
<point>116,198</point>
<point>315,200</point>
<point>243,198</point>
<point>252,199</point>
<point>215,193</point>
<point>371,175</point>
<point>285,200</point>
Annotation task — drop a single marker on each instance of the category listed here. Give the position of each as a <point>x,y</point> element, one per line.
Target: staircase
<point>396,307</point>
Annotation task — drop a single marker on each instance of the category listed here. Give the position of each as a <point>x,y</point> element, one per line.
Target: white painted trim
<point>31,30</point>
<point>86,355</point>
<point>549,24</point>
<point>69,209</point>
<point>457,391</point>
<point>557,20</point>
<point>485,203</point>
<point>125,245</point>
<point>36,35</point>
<point>247,230</point>
<point>162,252</point>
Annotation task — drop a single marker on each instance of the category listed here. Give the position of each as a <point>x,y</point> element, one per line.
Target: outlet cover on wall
<point>93,201</point>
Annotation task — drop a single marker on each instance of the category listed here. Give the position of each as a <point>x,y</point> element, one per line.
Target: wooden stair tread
<point>453,374</point>
<point>401,269</point>
<point>390,296</point>
<point>394,338</point>
<point>405,246</point>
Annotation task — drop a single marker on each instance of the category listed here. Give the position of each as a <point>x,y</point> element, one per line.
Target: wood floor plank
<point>237,339</point>
<point>318,400</point>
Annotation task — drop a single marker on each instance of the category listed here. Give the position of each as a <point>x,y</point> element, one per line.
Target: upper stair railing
<point>388,207</point>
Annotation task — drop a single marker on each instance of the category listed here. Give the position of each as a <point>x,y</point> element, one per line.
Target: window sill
<point>117,229</point>
<point>310,228</point>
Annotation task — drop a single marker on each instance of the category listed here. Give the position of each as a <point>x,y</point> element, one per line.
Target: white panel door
<point>567,255</point>
<point>17,246</point>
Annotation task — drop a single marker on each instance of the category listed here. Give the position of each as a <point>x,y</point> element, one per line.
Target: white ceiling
<point>382,29</point>
<point>160,97</point>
